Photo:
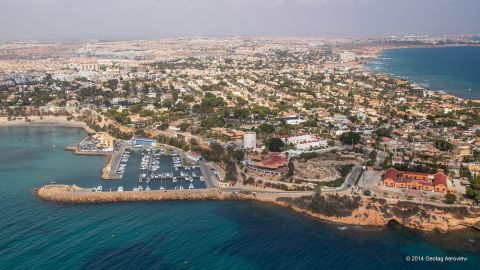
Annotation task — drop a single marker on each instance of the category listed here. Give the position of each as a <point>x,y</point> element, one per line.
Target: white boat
<point>194,174</point>
<point>120,189</point>
<point>147,188</point>
<point>135,189</point>
<point>162,188</point>
<point>174,179</point>
<point>99,189</point>
<point>191,186</point>
<point>140,188</point>
<point>181,188</point>
<point>201,178</point>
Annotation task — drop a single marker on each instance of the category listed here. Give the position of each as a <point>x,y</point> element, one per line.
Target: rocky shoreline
<point>358,211</point>
<point>370,211</point>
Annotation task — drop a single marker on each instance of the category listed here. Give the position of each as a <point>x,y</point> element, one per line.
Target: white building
<point>293,119</point>
<point>249,140</point>
<point>305,142</point>
<point>194,156</point>
<point>348,56</point>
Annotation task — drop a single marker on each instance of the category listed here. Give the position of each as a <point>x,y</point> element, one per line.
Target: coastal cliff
<point>363,211</point>
<point>368,211</point>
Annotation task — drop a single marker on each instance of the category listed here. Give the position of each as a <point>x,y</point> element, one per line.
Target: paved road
<point>280,192</point>
<point>351,178</point>
<point>210,178</point>
<point>117,157</point>
<point>370,179</point>
<point>380,159</point>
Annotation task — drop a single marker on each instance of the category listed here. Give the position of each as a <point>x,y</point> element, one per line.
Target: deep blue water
<point>455,70</point>
<point>178,235</point>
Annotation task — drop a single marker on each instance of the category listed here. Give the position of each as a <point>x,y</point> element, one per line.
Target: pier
<point>111,170</point>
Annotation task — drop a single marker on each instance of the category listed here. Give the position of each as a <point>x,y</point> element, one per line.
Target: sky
<point>150,19</point>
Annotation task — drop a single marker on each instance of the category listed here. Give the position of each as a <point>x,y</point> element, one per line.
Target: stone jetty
<point>76,195</point>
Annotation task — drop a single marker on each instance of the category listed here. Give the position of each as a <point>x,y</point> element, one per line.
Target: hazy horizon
<point>152,19</point>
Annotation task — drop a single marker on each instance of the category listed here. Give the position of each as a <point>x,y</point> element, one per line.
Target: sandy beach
<point>45,121</point>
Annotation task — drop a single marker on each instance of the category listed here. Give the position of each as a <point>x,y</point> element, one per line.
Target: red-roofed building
<point>271,164</point>
<point>413,180</point>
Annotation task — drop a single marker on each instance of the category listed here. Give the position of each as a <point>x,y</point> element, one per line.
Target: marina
<point>153,168</point>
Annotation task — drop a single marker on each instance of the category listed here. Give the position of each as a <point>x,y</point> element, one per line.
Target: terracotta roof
<point>397,176</point>
<point>391,173</point>
<point>440,178</point>
<point>272,162</point>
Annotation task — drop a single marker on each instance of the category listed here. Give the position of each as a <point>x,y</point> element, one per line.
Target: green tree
<point>184,126</point>
<point>266,128</point>
<point>443,145</point>
<point>239,154</point>
<point>473,191</point>
<point>291,169</point>
<point>249,181</point>
<point>217,152</point>
<point>135,108</point>
<point>350,138</point>
<point>450,198</point>
<point>275,144</point>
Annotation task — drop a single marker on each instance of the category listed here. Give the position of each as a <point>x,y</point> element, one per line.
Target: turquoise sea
<point>180,235</point>
<point>454,70</point>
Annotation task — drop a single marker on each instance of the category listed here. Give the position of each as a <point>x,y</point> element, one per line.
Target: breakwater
<point>76,195</point>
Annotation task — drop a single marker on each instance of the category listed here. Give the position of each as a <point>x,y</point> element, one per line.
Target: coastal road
<point>350,179</point>
<point>210,178</point>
